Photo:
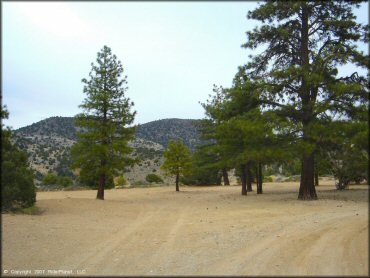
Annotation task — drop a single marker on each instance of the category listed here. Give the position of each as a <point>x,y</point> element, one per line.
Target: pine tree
<point>205,167</point>
<point>305,42</point>
<point>241,133</point>
<point>102,145</point>
<point>17,186</point>
<point>215,116</point>
<point>177,160</point>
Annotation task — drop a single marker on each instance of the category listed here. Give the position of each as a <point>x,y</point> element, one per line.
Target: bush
<point>65,181</point>
<point>50,179</point>
<point>121,181</point>
<point>153,178</point>
<point>267,179</point>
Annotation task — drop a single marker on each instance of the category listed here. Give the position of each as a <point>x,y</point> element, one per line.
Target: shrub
<point>267,179</point>
<point>65,181</point>
<point>153,178</point>
<point>50,179</point>
<point>121,181</point>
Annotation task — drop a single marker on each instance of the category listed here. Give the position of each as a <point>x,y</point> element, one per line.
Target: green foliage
<point>177,159</point>
<point>50,179</point>
<point>18,189</point>
<point>121,181</point>
<point>297,73</point>
<point>267,179</point>
<point>33,210</point>
<point>291,167</point>
<point>348,151</point>
<point>153,178</point>
<point>102,148</point>
<point>205,168</point>
<point>65,181</point>
<point>89,178</point>
<point>240,135</point>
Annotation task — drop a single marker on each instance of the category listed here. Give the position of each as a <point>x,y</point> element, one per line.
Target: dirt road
<point>198,231</point>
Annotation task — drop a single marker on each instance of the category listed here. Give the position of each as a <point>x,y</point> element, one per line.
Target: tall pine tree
<point>304,44</point>
<point>102,145</point>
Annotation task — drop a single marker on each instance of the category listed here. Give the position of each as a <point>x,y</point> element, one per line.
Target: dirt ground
<point>198,231</point>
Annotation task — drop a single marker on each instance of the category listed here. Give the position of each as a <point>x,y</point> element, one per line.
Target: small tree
<point>102,147</point>
<point>18,189</point>
<point>177,160</point>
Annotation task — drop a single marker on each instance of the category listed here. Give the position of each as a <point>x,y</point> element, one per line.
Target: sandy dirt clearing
<point>198,231</point>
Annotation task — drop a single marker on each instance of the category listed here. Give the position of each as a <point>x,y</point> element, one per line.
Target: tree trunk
<point>100,194</point>
<point>259,179</point>
<point>102,178</point>
<point>316,176</point>
<point>177,182</point>
<point>225,176</point>
<point>249,178</point>
<point>307,189</point>
<point>244,179</point>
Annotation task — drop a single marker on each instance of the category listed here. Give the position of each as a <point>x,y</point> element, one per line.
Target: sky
<point>172,53</point>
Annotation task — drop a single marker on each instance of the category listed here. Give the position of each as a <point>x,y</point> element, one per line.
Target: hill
<point>162,131</point>
<point>48,143</point>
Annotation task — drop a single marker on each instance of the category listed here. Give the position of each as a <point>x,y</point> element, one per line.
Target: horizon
<point>187,119</point>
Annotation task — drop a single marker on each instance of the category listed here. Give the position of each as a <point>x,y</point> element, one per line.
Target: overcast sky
<point>172,52</point>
